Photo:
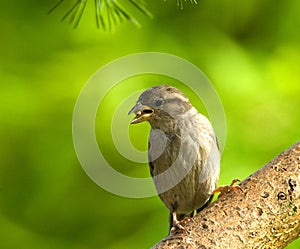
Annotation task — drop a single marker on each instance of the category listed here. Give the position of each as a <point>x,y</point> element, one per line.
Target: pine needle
<point>180,3</point>
<point>109,13</point>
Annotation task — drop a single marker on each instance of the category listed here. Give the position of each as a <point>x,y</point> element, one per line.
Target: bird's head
<point>160,104</point>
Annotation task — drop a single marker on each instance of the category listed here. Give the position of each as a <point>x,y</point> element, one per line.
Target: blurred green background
<point>250,51</point>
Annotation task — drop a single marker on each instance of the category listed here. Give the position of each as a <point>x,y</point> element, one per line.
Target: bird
<point>183,151</point>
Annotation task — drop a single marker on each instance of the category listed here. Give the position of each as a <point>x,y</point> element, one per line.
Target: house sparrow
<point>183,152</point>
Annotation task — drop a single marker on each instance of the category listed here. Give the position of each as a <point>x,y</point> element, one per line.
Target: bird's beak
<point>142,113</point>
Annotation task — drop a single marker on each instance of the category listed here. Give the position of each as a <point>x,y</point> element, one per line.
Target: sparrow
<point>183,151</point>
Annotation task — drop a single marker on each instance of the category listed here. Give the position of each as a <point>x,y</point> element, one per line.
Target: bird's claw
<point>179,225</point>
<point>228,188</point>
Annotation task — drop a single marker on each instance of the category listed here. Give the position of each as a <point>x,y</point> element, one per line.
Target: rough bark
<point>265,215</point>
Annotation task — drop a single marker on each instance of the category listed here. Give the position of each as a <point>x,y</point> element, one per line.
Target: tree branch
<point>265,215</point>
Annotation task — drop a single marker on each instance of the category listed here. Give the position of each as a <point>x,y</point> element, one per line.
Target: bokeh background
<point>249,49</point>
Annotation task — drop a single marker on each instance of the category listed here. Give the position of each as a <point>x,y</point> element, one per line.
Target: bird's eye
<point>159,102</point>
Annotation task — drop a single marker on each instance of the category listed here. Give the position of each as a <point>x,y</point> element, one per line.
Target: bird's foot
<point>228,188</point>
<point>179,225</point>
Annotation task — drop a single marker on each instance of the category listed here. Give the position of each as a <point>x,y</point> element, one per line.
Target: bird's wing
<point>209,150</point>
